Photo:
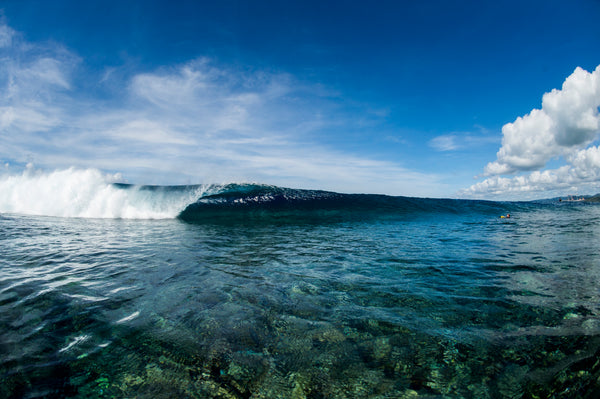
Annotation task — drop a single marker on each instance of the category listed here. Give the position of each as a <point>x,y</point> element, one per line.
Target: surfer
<point>505,217</point>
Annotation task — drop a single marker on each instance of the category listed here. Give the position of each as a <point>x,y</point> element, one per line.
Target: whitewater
<point>89,193</point>
<point>240,291</point>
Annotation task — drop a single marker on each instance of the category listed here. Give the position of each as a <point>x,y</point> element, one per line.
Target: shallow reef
<point>290,357</point>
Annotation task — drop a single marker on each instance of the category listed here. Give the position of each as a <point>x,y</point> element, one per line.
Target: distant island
<point>595,198</point>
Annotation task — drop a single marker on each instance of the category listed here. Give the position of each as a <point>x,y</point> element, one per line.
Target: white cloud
<point>569,120</point>
<point>174,88</point>
<point>582,175</point>
<point>198,122</point>
<point>31,116</point>
<point>34,81</point>
<point>564,128</point>
<point>146,131</point>
<point>574,109</point>
<point>586,164</point>
<point>30,76</point>
<point>463,140</point>
<point>444,143</point>
<point>522,187</point>
<point>6,35</point>
<point>44,71</point>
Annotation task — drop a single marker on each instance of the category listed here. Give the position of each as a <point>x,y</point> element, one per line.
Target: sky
<point>465,99</point>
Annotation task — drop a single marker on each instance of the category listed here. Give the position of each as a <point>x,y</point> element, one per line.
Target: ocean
<point>254,291</point>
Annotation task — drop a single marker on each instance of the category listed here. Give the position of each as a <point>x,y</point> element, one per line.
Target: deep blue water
<point>287,294</point>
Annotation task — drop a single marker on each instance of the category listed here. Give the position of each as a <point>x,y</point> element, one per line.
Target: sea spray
<point>90,193</point>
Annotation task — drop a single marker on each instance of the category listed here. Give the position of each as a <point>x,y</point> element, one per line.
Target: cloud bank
<point>565,128</point>
<point>197,122</point>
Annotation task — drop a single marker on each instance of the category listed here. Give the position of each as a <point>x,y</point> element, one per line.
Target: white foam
<point>76,341</point>
<point>88,193</point>
<point>129,318</point>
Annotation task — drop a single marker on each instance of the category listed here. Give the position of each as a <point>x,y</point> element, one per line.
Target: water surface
<point>430,299</point>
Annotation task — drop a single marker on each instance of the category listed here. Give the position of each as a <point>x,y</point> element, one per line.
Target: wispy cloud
<point>444,143</point>
<point>197,122</point>
<point>6,35</point>
<point>565,127</point>
<point>460,141</point>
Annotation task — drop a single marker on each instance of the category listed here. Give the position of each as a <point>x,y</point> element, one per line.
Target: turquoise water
<point>343,297</point>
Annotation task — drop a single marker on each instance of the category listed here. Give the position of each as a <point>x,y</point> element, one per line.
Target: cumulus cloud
<point>565,128</point>
<point>585,164</point>
<point>569,120</point>
<point>524,186</point>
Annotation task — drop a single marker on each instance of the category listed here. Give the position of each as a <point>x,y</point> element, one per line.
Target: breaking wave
<point>89,193</point>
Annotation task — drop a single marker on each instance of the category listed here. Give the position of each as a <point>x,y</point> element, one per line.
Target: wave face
<point>261,203</point>
<point>90,194</point>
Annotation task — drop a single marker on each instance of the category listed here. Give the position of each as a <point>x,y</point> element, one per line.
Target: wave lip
<point>88,193</point>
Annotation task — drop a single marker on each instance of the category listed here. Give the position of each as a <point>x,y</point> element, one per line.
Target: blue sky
<point>431,98</point>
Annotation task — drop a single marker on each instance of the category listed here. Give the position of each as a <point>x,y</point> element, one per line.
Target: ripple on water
<point>419,308</point>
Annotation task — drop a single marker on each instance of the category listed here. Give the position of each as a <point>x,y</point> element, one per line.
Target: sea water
<point>253,291</point>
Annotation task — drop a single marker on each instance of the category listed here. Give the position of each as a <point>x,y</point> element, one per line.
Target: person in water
<point>505,217</point>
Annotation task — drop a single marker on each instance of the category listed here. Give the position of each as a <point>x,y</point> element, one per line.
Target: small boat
<point>572,198</point>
